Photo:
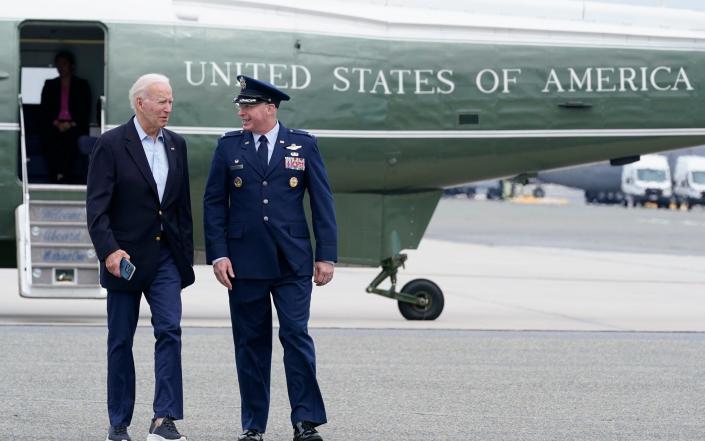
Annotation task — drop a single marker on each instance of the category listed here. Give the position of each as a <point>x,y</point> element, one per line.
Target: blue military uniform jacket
<point>256,216</point>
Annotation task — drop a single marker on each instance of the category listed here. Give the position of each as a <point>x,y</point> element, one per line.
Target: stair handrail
<point>23,150</point>
<point>102,114</point>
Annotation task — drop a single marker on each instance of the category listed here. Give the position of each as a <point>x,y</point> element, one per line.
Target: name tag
<point>237,167</point>
<point>295,163</point>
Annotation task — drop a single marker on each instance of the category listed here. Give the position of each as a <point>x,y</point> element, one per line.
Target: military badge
<point>243,84</point>
<point>294,154</point>
<point>293,147</point>
<point>295,163</point>
<point>293,182</point>
<point>238,182</point>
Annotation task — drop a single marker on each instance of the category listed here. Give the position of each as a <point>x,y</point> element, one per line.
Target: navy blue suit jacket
<point>124,212</point>
<point>256,216</point>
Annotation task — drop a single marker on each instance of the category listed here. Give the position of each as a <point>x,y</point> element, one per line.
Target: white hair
<point>140,87</point>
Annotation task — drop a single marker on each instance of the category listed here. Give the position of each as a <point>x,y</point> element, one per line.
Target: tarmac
<point>561,322</point>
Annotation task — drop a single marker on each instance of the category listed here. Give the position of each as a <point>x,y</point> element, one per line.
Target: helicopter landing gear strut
<point>419,299</point>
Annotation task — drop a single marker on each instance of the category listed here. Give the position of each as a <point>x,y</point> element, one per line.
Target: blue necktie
<point>262,151</point>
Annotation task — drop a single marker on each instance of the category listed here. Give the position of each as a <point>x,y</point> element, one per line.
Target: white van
<point>647,180</point>
<point>689,180</point>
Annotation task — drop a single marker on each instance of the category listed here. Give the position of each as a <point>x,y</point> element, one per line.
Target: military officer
<point>257,239</point>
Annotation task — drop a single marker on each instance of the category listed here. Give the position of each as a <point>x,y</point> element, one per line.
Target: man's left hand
<point>323,273</point>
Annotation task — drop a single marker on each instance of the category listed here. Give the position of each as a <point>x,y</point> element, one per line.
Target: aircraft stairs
<point>55,256</point>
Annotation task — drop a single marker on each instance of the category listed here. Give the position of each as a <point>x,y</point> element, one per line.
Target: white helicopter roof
<point>559,22</point>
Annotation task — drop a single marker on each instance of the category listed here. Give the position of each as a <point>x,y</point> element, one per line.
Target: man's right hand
<point>112,262</point>
<point>223,270</point>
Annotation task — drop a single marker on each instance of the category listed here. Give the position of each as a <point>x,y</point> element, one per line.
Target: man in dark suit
<point>65,115</point>
<point>258,241</point>
<point>139,209</point>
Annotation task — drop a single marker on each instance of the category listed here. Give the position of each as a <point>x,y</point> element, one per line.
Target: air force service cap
<point>254,91</point>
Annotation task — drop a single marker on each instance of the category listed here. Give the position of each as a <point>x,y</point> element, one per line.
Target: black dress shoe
<point>250,435</point>
<point>305,431</point>
<point>166,431</point>
<point>118,433</point>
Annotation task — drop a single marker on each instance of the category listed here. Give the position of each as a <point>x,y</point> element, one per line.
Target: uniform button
<point>264,183</point>
<point>160,212</point>
<point>266,218</point>
<point>266,201</point>
<point>158,238</point>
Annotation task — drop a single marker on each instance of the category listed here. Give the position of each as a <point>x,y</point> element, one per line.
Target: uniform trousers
<point>251,315</point>
<point>164,298</point>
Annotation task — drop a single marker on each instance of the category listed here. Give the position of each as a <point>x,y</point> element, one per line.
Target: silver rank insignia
<point>293,147</point>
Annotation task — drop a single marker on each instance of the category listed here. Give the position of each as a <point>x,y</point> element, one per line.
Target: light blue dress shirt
<point>156,157</point>
<point>271,139</point>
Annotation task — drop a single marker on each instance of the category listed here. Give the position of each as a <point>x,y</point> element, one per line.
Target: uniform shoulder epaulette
<point>233,133</point>
<point>301,132</point>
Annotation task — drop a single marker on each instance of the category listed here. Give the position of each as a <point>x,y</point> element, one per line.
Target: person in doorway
<point>65,115</point>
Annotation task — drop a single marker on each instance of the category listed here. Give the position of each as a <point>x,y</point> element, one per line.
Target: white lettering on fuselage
<point>509,76</point>
<point>428,81</point>
<point>393,81</point>
<point>622,79</point>
<point>210,73</point>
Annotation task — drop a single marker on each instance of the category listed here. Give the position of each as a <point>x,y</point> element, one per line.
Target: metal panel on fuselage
<point>361,96</point>
<point>408,116</point>
<point>9,136</point>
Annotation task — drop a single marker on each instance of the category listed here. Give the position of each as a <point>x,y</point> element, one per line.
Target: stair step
<point>63,255</point>
<point>68,234</point>
<point>72,265</point>
<point>65,276</point>
<point>57,213</point>
<point>58,224</point>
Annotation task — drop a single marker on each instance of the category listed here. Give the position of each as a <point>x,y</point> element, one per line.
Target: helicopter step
<point>55,255</point>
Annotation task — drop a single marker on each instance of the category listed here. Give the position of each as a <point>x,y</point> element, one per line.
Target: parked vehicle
<point>647,180</point>
<point>689,181</point>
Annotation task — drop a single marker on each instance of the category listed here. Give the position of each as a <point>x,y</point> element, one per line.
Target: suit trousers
<point>251,316</point>
<point>164,298</point>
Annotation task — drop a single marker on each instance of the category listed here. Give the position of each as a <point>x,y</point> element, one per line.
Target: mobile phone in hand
<point>127,269</point>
